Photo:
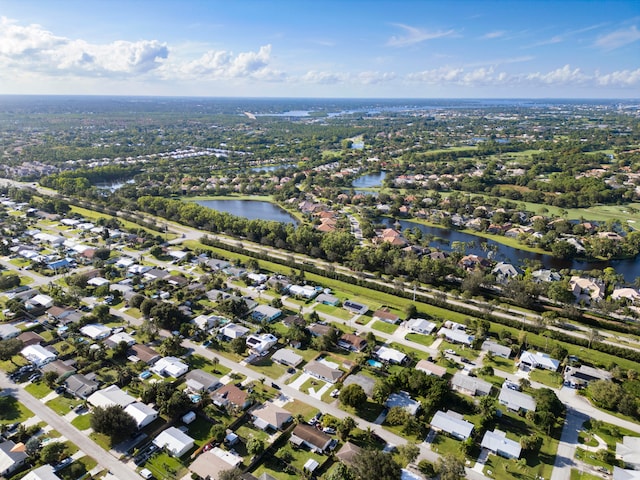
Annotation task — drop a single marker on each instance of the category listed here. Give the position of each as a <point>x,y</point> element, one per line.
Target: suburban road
<point>88,446</point>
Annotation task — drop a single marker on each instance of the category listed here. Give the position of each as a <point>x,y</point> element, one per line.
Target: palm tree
<point>594,336</point>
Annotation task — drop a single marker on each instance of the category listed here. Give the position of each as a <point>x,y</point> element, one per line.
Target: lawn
<point>199,430</point>
<point>246,430</point>
<point>585,438</point>
<point>164,466</point>
<point>611,434</point>
<point>384,327</point>
<point>88,462</point>
<point>63,404</point>
<point>413,352</point>
<point>82,422</point>
<point>312,383</point>
<point>337,312</point>
<point>196,361</point>
<point>461,350</point>
<point>101,439</point>
<point>443,444</point>
<point>300,408</point>
<point>592,459</point>
<point>12,411</point>
<point>500,363</point>
<point>38,389</point>
<point>268,368</point>
<point>579,475</point>
<point>369,411</point>
<point>426,340</point>
<point>550,379</point>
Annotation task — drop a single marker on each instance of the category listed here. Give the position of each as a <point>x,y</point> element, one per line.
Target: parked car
<point>329,430</point>
<point>450,351</point>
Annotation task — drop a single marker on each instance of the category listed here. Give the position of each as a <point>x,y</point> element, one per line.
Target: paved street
<point>88,446</point>
<point>567,448</point>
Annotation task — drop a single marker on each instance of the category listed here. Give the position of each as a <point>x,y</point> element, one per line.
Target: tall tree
<point>369,464</point>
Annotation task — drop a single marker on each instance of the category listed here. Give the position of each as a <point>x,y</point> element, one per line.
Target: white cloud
<point>495,34</point>
<point>563,76</point>
<point>220,64</point>
<point>619,38</point>
<point>32,48</point>
<point>322,78</point>
<point>415,35</point>
<point>370,78</point>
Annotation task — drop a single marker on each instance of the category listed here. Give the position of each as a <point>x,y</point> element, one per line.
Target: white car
<point>146,473</point>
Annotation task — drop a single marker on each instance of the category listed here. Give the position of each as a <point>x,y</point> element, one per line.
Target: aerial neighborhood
<point>165,341</point>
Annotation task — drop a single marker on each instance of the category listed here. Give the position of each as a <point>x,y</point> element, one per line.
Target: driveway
<point>568,442</point>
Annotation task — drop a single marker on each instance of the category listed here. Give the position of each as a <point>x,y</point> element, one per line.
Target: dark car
<point>277,387</point>
<point>291,370</point>
<point>60,389</point>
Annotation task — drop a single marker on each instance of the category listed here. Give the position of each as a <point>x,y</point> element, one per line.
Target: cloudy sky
<point>322,48</point>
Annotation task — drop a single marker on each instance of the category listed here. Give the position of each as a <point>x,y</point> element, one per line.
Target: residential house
<point>292,320</point>
<point>629,452</point>
<point>205,322</point>
<point>304,291</point>
<point>420,325</point>
<point>45,472</point>
<point>458,336</point>
<point>80,386</point>
<point>287,357</point>
<point>176,442</point>
<point>385,315</point>
<point>546,276</point>
<point>170,367</point>
<point>391,355</point>
<point>323,371</point>
<point>516,401</point>
<point>473,262</point>
<point>348,452</point>
<point>38,355</point>
<point>62,369</point>
<point>581,376</point>
<point>504,272</point>
<point>355,307</point>
<point>498,443</point>
<point>630,294</point>
<point>30,338</point>
<point>354,343</point>
<point>403,400</point>
<point>530,359</point>
<point>367,383</point>
<point>111,395</point>
<point>115,339</point>
<point>587,289</point>
<point>231,396</point>
<point>431,368</point>
<point>233,330</point>
<point>496,349</point>
<point>314,439</point>
<point>210,464</point>
<point>95,331</point>
<point>328,299</point>
<point>11,459</point>
<point>270,416</point>
<point>265,313</point>
<point>622,474</point>
<point>452,423</point>
<point>473,386</point>
<point>261,344</point>
<point>8,331</point>
<point>144,353</point>
<point>199,380</point>
<point>141,413</point>
<point>318,330</point>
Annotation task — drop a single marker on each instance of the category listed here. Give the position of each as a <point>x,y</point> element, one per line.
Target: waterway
<point>443,238</point>
<point>251,209</point>
<point>369,180</point>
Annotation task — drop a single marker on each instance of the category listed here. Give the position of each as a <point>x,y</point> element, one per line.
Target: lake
<point>370,180</point>
<point>629,268</point>
<point>251,209</point>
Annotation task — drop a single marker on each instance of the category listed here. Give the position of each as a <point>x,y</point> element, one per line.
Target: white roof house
<point>205,322</point>
<point>452,423</point>
<point>287,357</point>
<point>403,400</point>
<point>629,452</point>
<point>306,291</point>
<point>496,349</point>
<point>97,281</point>
<point>516,401</point>
<point>539,360</point>
<point>470,385</point>
<point>8,331</point>
<point>630,294</point>
<point>112,395</point>
<point>116,338</point>
<point>41,300</point>
<point>260,344</point>
<point>265,313</point>
<point>622,474</point>
<point>175,441</point>
<point>10,460</point>
<point>270,415</point>
<point>233,330</point>
<point>420,325</point>
<point>96,331</point>
<point>587,289</point>
<point>142,414</point>
<point>38,355</point>
<point>170,367</point>
<point>456,336</point>
<point>390,355</point>
<point>45,472</point>
<point>504,271</point>
<point>498,443</point>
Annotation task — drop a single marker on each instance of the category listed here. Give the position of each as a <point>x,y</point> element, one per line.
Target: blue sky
<point>341,48</point>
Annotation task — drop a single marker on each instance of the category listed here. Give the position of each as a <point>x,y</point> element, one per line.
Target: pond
<point>629,268</point>
<point>251,209</point>
<point>369,180</point>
